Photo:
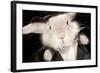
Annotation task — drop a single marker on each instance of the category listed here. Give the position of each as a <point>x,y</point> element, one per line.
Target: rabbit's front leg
<point>47,55</point>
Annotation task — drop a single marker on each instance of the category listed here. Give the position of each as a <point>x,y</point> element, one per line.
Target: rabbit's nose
<point>61,37</point>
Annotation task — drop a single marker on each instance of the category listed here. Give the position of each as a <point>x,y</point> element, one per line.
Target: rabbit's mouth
<point>63,48</point>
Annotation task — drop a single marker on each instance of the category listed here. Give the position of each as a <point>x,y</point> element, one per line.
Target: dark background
<point>32,42</point>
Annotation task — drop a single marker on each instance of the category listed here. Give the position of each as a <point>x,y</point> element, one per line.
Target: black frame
<point>13,34</point>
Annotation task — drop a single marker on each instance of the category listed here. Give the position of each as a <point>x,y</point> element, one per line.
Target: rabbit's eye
<point>49,26</point>
<point>67,22</point>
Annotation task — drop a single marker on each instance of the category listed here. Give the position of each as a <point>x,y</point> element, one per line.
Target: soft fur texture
<point>60,32</point>
<point>47,55</point>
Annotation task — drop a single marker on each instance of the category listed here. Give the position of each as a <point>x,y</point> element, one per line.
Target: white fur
<point>83,39</point>
<point>47,55</point>
<point>67,46</point>
<point>70,53</point>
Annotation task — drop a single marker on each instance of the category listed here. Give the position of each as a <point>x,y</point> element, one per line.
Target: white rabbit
<point>60,33</point>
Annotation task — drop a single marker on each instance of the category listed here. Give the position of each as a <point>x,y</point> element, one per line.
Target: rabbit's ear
<point>35,28</point>
<point>71,15</point>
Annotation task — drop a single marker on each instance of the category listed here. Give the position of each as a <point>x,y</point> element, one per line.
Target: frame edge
<point>13,36</point>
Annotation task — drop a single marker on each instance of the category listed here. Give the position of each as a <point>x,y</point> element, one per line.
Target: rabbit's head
<point>59,32</point>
